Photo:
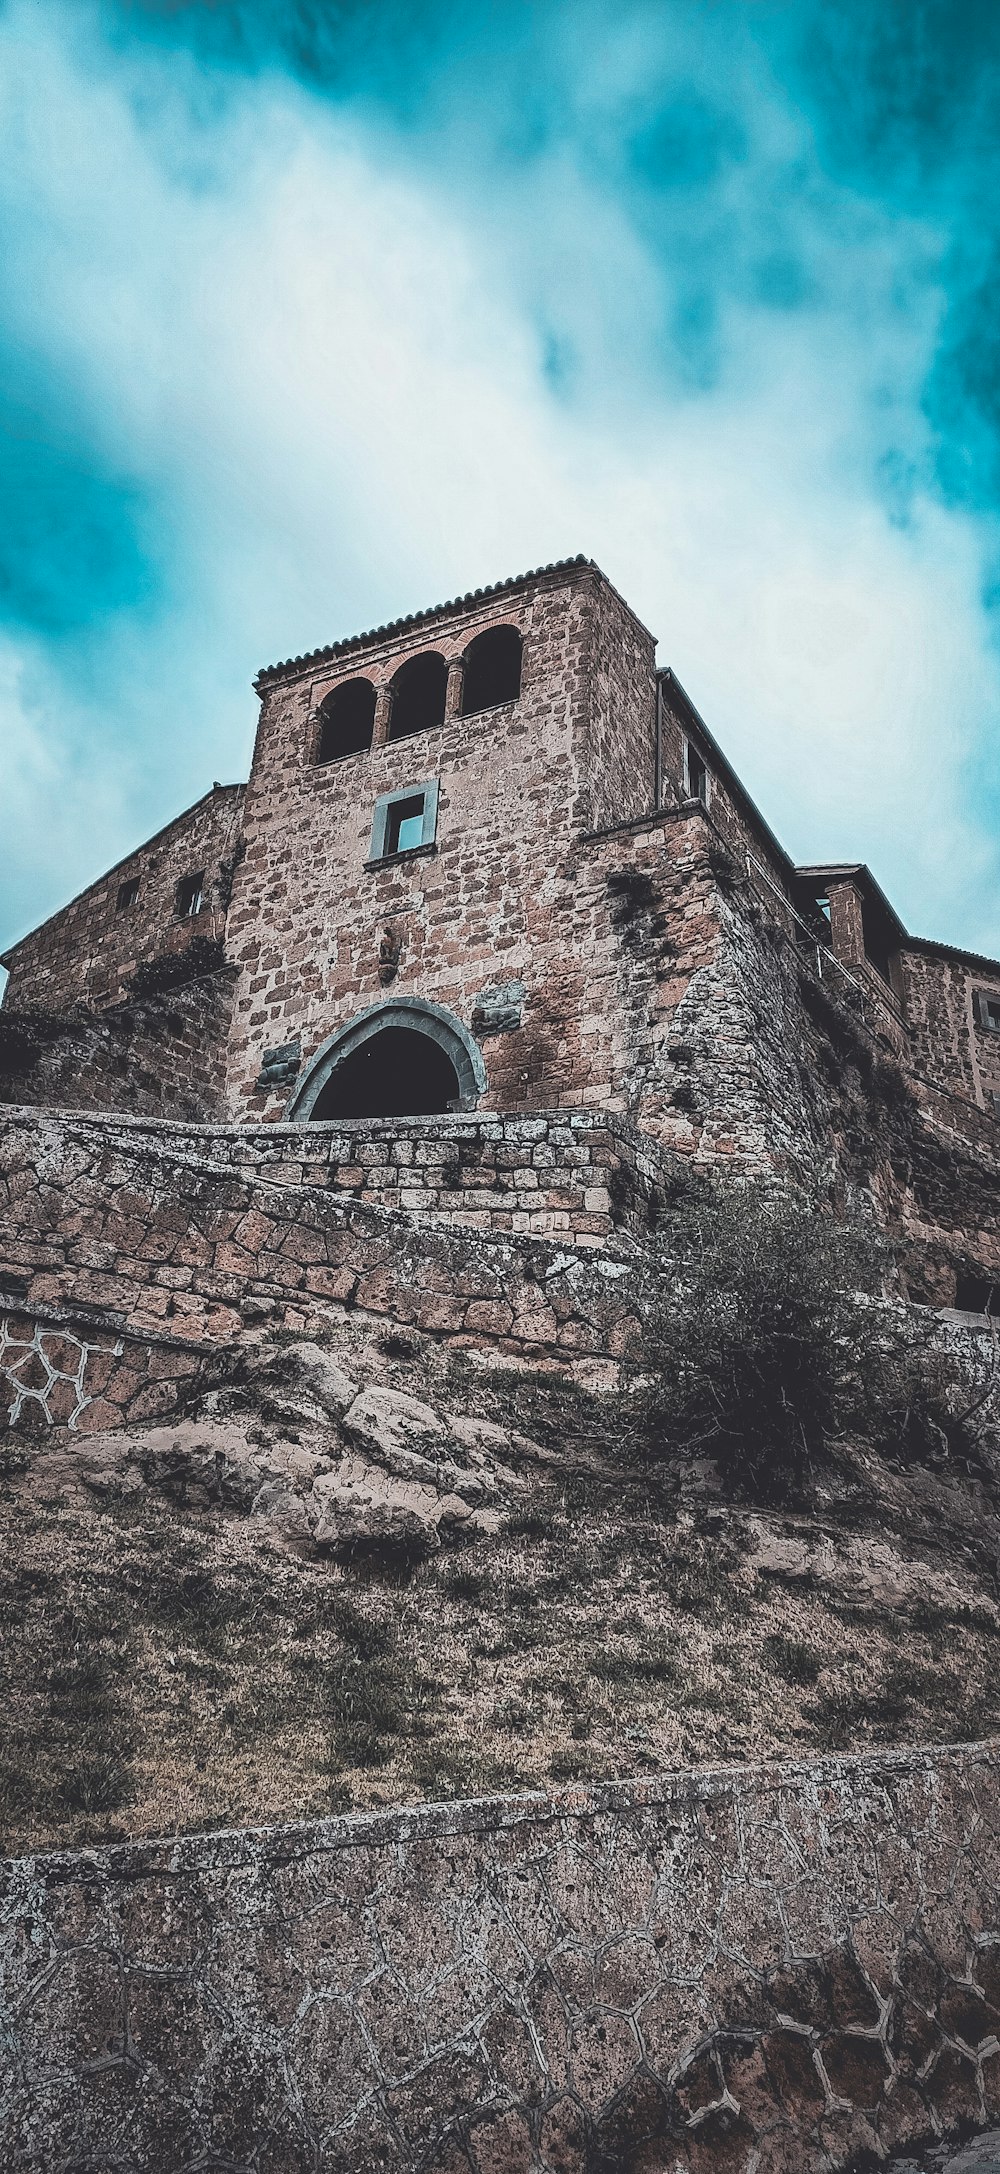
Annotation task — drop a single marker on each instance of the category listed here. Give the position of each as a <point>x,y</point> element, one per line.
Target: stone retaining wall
<point>161,1247</point>
<point>112,1235</point>
<point>788,1967</point>
<point>62,1370</point>
<point>574,1175</point>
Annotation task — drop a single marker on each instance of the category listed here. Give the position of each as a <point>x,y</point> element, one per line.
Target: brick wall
<point>947,1042</point>
<point>90,949</point>
<point>791,1966</point>
<point>736,831</point>
<point>620,664</point>
<point>689,1006</point>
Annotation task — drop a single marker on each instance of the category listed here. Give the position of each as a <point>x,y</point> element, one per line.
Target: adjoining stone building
<point>490,859</point>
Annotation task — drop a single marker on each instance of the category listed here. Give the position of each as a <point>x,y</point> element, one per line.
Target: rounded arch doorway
<point>410,1058</point>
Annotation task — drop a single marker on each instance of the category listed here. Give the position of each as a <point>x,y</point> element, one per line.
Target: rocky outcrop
<point>325,1464</point>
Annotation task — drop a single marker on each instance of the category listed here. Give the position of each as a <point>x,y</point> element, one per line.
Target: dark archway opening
<point>397,1073</point>
<point>346,720</point>
<point>492,670</point>
<point>418,696</point>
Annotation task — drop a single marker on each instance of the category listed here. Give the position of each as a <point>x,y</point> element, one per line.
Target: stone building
<point>490,859</point>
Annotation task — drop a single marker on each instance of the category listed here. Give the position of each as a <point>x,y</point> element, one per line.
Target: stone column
<point>453,693</point>
<point>383,712</point>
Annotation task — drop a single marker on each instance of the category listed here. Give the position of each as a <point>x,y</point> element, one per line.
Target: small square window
<point>405,821</point>
<point>987,1010</point>
<point>190,896</point>
<point>128,892</point>
<point>405,827</point>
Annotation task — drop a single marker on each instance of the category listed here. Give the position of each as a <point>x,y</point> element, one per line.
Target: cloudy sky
<point>316,311</point>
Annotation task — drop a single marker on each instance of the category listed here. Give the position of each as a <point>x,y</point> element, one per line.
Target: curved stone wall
<point>772,1968</point>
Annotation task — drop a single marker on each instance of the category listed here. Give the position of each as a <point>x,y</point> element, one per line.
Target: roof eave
<point>866,883</point>
<point>7,956</point>
<point>271,674</point>
<point>931,949</point>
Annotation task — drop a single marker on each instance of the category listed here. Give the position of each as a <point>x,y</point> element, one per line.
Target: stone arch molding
<point>419,1016</point>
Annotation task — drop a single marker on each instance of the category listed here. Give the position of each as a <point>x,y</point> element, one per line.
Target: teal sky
<point>313,315</point>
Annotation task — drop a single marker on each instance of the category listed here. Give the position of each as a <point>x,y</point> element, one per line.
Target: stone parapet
<point>575,1175</point>
<point>774,1967</point>
<point>111,1235</point>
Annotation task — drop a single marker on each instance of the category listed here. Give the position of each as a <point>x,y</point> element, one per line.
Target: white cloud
<point>55,805</point>
<point>331,374</point>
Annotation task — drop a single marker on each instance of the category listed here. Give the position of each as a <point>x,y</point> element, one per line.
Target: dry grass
<point>162,1671</point>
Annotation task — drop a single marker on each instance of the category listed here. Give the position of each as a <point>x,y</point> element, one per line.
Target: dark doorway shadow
<point>398,1073</point>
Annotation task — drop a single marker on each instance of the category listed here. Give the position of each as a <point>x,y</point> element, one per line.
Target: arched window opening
<point>418,694</point>
<point>492,670</point>
<point>347,717</point>
<point>398,1073</point>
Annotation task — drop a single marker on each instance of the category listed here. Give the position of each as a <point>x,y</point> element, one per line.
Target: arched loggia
<point>407,1058</point>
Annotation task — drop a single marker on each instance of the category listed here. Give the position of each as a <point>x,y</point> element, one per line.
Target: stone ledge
<point>488,1815</point>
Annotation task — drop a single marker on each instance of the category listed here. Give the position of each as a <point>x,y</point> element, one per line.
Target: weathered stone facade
<point>494,900</point>
<point>162,1053</point>
<point>585,914</point>
<point>590,898</point>
<point>790,1967</point>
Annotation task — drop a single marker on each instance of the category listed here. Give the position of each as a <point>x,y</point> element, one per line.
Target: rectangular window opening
<point>697,776</point>
<point>190,896</point>
<point>405,826</point>
<point>978,1294</point>
<point>128,892</point>
<point>404,821</point>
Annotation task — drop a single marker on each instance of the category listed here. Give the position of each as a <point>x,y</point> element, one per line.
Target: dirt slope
<point>260,1618</point>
